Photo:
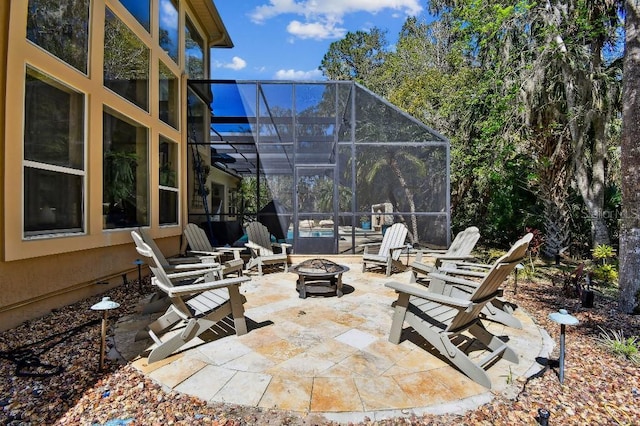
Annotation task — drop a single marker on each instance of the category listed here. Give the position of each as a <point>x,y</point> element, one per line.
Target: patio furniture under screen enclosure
<point>324,153</point>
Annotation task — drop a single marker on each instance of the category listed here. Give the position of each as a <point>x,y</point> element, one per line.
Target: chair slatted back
<point>146,238</point>
<point>464,242</point>
<point>393,237</point>
<point>258,234</point>
<point>492,282</point>
<point>197,238</point>
<point>160,277</point>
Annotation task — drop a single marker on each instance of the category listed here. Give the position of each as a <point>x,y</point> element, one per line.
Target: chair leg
<point>493,313</point>
<point>493,343</point>
<point>398,318</point>
<point>237,310</point>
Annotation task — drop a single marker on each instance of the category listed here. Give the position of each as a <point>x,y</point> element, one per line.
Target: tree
<point>357,57</point>
<point>555,64</point>
<point>629,278</point>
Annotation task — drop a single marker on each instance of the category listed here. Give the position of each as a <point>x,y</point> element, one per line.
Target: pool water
<point>306,234</point>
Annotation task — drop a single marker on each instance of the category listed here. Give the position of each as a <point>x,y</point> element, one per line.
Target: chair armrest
<point>424,293</point>
<point>207,262</point>
<point>464,272</point>
<point>472,265</point>
<point>253,246</point>
<point>448,279</point>
<point>194,273</point>
<point>235,250</point>
<point>206,253</point>
<point>281,245</point>
<point>174,261</point>
<point>202,287</point>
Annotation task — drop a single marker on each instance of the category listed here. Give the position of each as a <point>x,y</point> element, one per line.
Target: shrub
<point>620,346</point>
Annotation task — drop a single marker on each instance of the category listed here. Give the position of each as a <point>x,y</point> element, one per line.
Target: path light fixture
<point>563,318</point>
<point>105,305</point>
<point>519,267</point>
<point>139,263</point>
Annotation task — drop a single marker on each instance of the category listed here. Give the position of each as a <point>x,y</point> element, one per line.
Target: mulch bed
<point>50,375</point>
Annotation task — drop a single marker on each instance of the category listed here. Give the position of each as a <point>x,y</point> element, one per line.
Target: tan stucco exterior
<point>40,274</point>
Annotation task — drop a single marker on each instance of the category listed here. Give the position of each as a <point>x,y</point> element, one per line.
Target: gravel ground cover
<point>49,374</point>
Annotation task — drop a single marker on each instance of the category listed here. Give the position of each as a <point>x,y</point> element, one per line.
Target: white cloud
<point>315,30</point>
<point>236,64</point>
<point>331,10</point>
<point>168,14</point>
<point>298,75</point>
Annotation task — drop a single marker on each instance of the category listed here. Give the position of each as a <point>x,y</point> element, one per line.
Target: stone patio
<point>330,356</point>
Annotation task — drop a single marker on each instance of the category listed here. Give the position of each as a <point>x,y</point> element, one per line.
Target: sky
<point>287,39</point>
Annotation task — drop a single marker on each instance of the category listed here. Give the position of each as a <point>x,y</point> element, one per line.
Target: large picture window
<point>125,166</point>
<point>126,62</point>
<point>169,21</point>
<point>194,52</point>
<point>53,156</point>
<point>141,10</point>
<point>168,96</point>
<point>168,179</point>
<point>61,27</point>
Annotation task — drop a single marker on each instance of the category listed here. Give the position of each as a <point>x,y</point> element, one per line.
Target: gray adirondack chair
<point>199,300</point>
<point>177,264</point>
<point>388,255</point>
<point>263,250</point>
<point>199,245</point>
<point>442,318</point>
<point>460,249</point>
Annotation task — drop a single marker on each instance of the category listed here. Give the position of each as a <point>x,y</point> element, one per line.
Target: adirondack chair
<point>199,245</point>
<point>177,264</point>
<point>442,318</point>
<point>263,250</point>
<point>460,249</point>
<point>388,254</point>
<point>159,301</point>
<point>199,300</point>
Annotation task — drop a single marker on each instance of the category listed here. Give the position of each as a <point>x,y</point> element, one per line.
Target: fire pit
<point>319,276</point>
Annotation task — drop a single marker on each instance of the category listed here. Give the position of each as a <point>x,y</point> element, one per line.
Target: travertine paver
<point>331,356</point>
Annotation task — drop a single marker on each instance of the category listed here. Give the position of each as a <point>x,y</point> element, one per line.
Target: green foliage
<point>602,252</point>
<point>617,344</point>
<point>119,175</point>
<point>606,274</point>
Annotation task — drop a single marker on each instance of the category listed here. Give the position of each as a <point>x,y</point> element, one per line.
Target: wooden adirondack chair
<point>442,318</point>
<point>177,264</point>
<point>263,250</point>
<point>388,254</point>
<point>198,299</point>
<point>460,249</point>
<point>199,245</point>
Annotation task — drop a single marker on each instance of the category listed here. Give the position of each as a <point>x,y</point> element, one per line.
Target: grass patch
<point>624,347</point>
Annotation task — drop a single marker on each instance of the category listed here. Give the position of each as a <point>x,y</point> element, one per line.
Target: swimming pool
<point>307,234</point>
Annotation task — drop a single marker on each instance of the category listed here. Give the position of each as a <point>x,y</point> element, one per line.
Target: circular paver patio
<point>329,356</point>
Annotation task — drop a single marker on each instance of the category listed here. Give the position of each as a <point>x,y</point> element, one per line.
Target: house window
<point>141,10</point>
<point>61,27</point>
<point>54,171</point>
<point>168,96</point>
<point>126,62</point>
<point>125,172</point>
<point>194,52</point>
<point>169,22</point>
<point>168,156</point>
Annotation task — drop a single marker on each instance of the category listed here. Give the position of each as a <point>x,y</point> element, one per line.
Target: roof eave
<point>209,17</point>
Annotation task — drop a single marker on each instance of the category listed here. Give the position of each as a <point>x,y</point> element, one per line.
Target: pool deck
<point>330,356</point>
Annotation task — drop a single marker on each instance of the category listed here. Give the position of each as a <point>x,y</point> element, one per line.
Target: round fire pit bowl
<point>318,276</point>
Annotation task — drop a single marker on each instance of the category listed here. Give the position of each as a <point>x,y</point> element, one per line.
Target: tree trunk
<point>413,232</point>
<point>629,278</point>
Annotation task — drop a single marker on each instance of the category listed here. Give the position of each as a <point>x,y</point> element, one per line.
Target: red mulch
<point>598,389</point>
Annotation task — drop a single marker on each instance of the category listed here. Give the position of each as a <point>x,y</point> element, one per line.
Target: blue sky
<point>287,39</point>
